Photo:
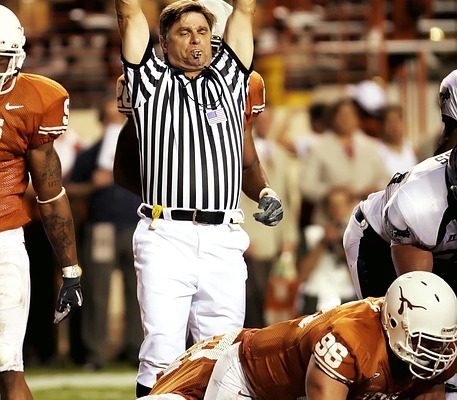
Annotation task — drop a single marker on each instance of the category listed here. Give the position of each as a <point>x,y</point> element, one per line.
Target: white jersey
<point>412,208</point>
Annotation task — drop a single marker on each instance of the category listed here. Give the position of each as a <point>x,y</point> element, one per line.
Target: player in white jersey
<point>409,225</point>
<point>412,223</point>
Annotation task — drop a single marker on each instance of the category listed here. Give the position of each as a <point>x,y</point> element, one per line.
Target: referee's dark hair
<point>175,10</point>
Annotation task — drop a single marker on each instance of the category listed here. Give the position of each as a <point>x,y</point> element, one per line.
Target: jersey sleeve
<point>396,220</point>
<point>395,225</point>
<point>53,111</point>
<point>255,102</point>
<point>335,359</point>
<point>352,345</point>
<point>151,66</point>
<point>124,101</point>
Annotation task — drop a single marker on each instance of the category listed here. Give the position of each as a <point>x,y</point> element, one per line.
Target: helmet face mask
<point>12,42</point>
<point>429,356</point>
<point>419,316</point>
<point>216,42</point>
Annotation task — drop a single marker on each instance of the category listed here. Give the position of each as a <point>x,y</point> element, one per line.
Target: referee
<point>194,160</point>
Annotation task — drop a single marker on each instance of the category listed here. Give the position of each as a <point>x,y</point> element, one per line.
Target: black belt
<point>197,216</point>
<point>358,215</point>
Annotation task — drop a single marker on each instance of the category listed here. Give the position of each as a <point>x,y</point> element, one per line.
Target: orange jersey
<point>33,113</point>
<point>255,102</point>
<point>347,342</point>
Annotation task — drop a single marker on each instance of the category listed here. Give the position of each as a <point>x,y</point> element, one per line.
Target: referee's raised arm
<point>239,30</point>
<point>133,28</point>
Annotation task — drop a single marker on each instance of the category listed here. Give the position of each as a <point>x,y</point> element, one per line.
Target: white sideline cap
<point>369,95</point>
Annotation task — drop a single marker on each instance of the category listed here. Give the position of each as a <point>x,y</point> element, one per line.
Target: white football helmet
<point>222,11</point>
<point>12,42</point>
<point>419,316</point>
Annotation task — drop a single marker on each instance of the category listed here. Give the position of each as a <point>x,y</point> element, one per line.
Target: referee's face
<point>188,43</point>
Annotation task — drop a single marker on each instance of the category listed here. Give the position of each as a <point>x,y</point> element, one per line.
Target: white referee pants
<point>14,298</point>
<point>190,276</point>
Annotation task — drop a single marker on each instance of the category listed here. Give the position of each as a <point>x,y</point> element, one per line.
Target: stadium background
<point>306,51</point>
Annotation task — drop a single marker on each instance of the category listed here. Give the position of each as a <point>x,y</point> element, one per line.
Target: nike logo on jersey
<point>240,393</point>
<point>9,107</point>
<point>375,375</point>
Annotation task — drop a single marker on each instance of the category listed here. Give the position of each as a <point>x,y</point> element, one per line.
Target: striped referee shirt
<point>190,131</point>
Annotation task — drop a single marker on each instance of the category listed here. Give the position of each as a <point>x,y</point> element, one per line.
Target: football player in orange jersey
<point>399,346</point>
<point>33,113</point>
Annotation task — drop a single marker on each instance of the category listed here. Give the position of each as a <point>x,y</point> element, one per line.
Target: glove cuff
<point>267,191</point>
<point>72,271</point>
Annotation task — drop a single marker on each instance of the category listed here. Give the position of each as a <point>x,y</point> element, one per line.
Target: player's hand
<point>70,297</point>
<point>271,205</point>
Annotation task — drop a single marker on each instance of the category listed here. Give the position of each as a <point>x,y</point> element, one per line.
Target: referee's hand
<point>271,205</point>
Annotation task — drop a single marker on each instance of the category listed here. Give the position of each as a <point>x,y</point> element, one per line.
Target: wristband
<point>61,193</point>
<point>267,191</point>
<point>72,271</point>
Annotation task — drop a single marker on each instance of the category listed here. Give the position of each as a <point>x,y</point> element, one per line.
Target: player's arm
<point>407,257</point>
<point>45,171</point>
<point>238,32</point>
<point>320,386</point>
<point>406,254</point>
<point>254,176</point>
<point>126,168</point>
<point>255,184</point>
<point>46,174</point>
<point>133,28</point>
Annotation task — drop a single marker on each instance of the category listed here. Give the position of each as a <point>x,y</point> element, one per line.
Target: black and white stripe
<point>186,162</point>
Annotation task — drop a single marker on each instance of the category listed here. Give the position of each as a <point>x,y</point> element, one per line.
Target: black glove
<point>70,296</point>
<point>272,208</point>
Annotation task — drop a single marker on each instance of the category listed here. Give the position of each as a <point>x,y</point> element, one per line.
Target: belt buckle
<point>196,221</point>
<point>194,216</point>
